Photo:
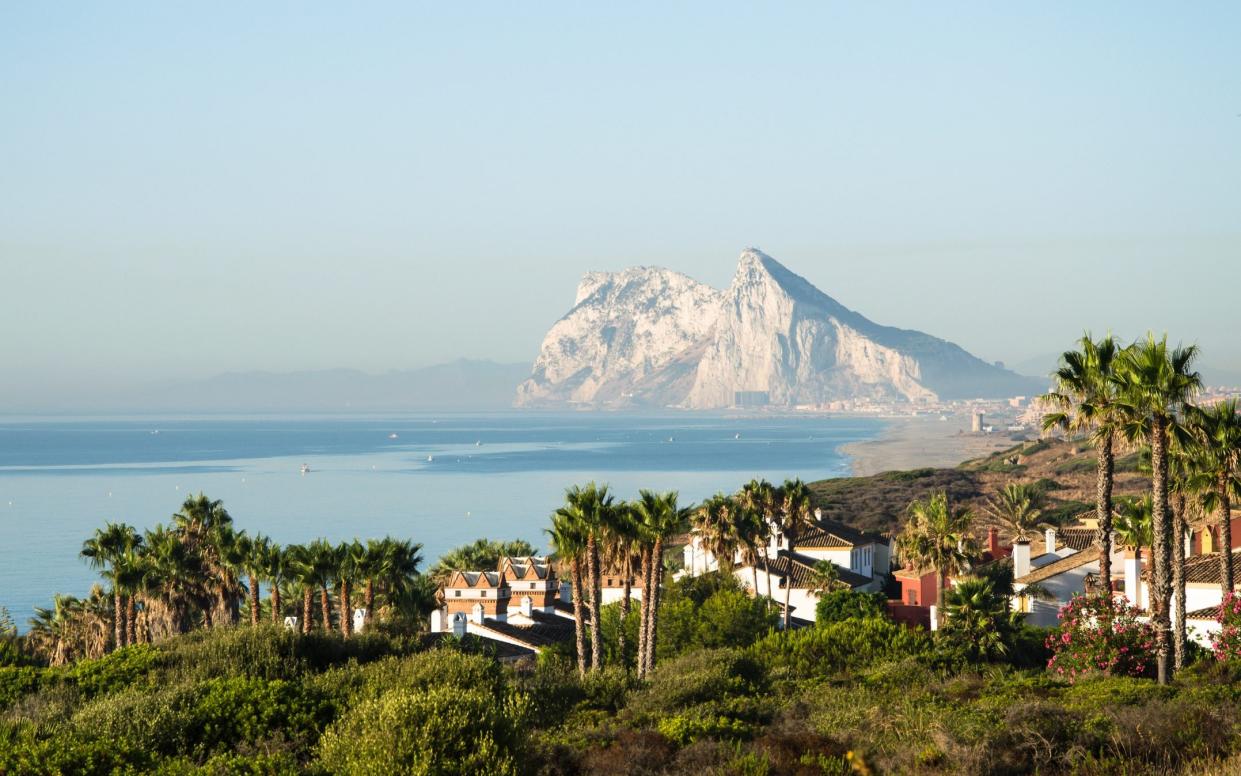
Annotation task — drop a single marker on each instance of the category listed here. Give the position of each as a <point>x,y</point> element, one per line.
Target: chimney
<point>993,542</point>
<point>818,514</point>
<point>459,625</point>
<point>1133,580</point>
<point>527,606</point>
<point>1021,558</point>
<point>1049,538</point>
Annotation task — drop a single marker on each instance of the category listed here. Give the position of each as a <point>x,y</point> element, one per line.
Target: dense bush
<point>1100,635</point>
<point>841,605</point>
<point>1226,643</point>
<point>441,730</point>
<point>834,647</point>
<point>712,610</point>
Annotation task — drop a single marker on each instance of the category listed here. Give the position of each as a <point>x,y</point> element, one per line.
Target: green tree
<point>479,555</point>
<point>1084,400</point>
<point>255,552</point>
<point>1133,531</point>
<point>1154,385</point>
<point>1016,510</point>
<point>659,516</point>
<point>939,538</point>
<point>568,544</point>
<point>977,619</point>
<point>761,498</point>
<point>1214,449</point>
<point>592,507</point>
<point>796,514</point>
<point>106,552</point>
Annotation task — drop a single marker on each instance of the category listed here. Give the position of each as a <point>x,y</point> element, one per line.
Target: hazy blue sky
<point>188,190</point>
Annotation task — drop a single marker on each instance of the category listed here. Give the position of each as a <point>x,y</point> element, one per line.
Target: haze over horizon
<point>188,192</point>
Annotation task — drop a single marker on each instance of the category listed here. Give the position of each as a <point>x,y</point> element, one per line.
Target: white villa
<point>862,560</point>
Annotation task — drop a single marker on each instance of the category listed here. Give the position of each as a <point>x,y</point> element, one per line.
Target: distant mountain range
<point>653,337</point>
<point>459,385</point>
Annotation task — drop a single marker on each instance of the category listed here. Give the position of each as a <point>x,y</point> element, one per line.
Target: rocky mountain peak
<point>653,336</point>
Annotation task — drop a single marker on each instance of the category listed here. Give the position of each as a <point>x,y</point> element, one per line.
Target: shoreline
<point>921,442</point>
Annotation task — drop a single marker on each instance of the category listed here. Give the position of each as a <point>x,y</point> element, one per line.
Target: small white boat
<point>736,436</point>
<point>430,459</point>
<point>479,443</point>
<point>305,468</point>
<point>393,436</point>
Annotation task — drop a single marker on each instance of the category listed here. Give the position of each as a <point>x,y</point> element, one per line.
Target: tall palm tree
<point>323,565</point>
<point>1084,400</point>
<point>350,557</point>
<point>172,582</point>
<point>1133,531</point>
<point>105,551</point>
<point>276,566</point>
<point>762,498</point>
<point>747,527</point>
<point>619,550</point>
<point>1154,385</point>
<point>255,555</point>
<point>939,538</point>
<point>1015,510</point>
<point>713,523</point>
<point>127,578</point>
<point>660,517</point>
<point>1180,484</point>
<point>568,544</point>
<point>1215,449</point>
<point>592,506</point>
<point>797,514</point>
<point>302,569</point>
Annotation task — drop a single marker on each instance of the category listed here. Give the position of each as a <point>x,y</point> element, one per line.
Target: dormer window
<point>483,594</point>
<point>456,593</point>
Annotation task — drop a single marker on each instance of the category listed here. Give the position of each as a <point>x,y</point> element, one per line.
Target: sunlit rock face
<point>653,337</point>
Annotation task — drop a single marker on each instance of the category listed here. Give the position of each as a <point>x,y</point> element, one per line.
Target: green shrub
<point>834,647</point>
<point>841,605</point>
<point>441,667</point>
<point>689,727</point>
<point>712,610</point>
<point>708,675</point>
<point>30,752</point>
<point>441,730</point>
<point>113,672</point>
<point>17,681</point>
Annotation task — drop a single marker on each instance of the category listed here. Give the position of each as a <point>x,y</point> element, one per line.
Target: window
<point>483,594</point>
<point>532,585</point>
<point>457,593</point>
<point>913,597</point>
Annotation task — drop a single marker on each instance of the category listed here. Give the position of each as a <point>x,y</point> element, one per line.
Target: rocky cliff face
<point>658,338</point>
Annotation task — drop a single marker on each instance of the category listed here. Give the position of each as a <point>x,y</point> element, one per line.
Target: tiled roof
<point>1204,569</point>
<point>475,579</point>
<point>501,650</point>
<point>832,533</point>
<point>801,569</point>
<point>527,568</point>
<point>1209,613</point>
<point>1074,561</point>
<point>547,629</point>
<point>565,609</point>
<point>1077,538</point>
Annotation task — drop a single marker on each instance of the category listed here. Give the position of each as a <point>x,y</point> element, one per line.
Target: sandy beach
<point>915,442</point>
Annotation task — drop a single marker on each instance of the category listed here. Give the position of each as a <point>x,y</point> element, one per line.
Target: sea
<point>438,479</point>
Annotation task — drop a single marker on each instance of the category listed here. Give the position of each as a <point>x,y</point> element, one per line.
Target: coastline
<point>918,442</point>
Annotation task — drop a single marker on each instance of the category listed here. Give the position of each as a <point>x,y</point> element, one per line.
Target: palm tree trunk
<point>131,620</point>
<point>1178,583</point>
<point>118,619</point>
<point>596,585</point>
<point>579,631</point>
<point>307,608</point>
<point>644,612</point>
<point>1103,509</point>
<point>325,603</point>
<point>1160,550</point>
<point>255,606</point>
<point>346,621</point>
<point>624,612</point>
<point>1225,534</point>
<point>788,588</point>
<point>657,573</point>
<point>368,600</point>
<point>275,603</point>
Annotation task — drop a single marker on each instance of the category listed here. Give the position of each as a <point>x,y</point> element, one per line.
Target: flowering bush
<point>1100,635</point>
<point>1226,644</point>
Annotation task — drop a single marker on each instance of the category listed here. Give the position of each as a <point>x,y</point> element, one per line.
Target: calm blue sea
<point>441,480</point>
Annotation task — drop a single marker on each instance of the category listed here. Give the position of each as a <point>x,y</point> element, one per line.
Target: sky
<point>187,190</point>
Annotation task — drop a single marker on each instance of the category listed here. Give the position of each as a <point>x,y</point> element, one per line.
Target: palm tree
<point>619,549</point>
<point>796,514</point>
<point>301,562</point>
<point>323,566</point>
<point>660,517</point>
<point>255,555</point>
<point>717,531</point>
<point>568,544</point>
<point>938,537</point>
<point>823,577</point>
<point>1084,400</point>
<point>592,506</point>
<point>1154,385</point>
<point>978,616</point>
<point>105,551</point>
<point>1015,510</point>
<point>1180,484</point>
<point>276,566</point>
<point>172,581</point>
<point>1215,448</point>
<point>760,496</point>
<point>350,557</point>
<point>1133,531</point>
